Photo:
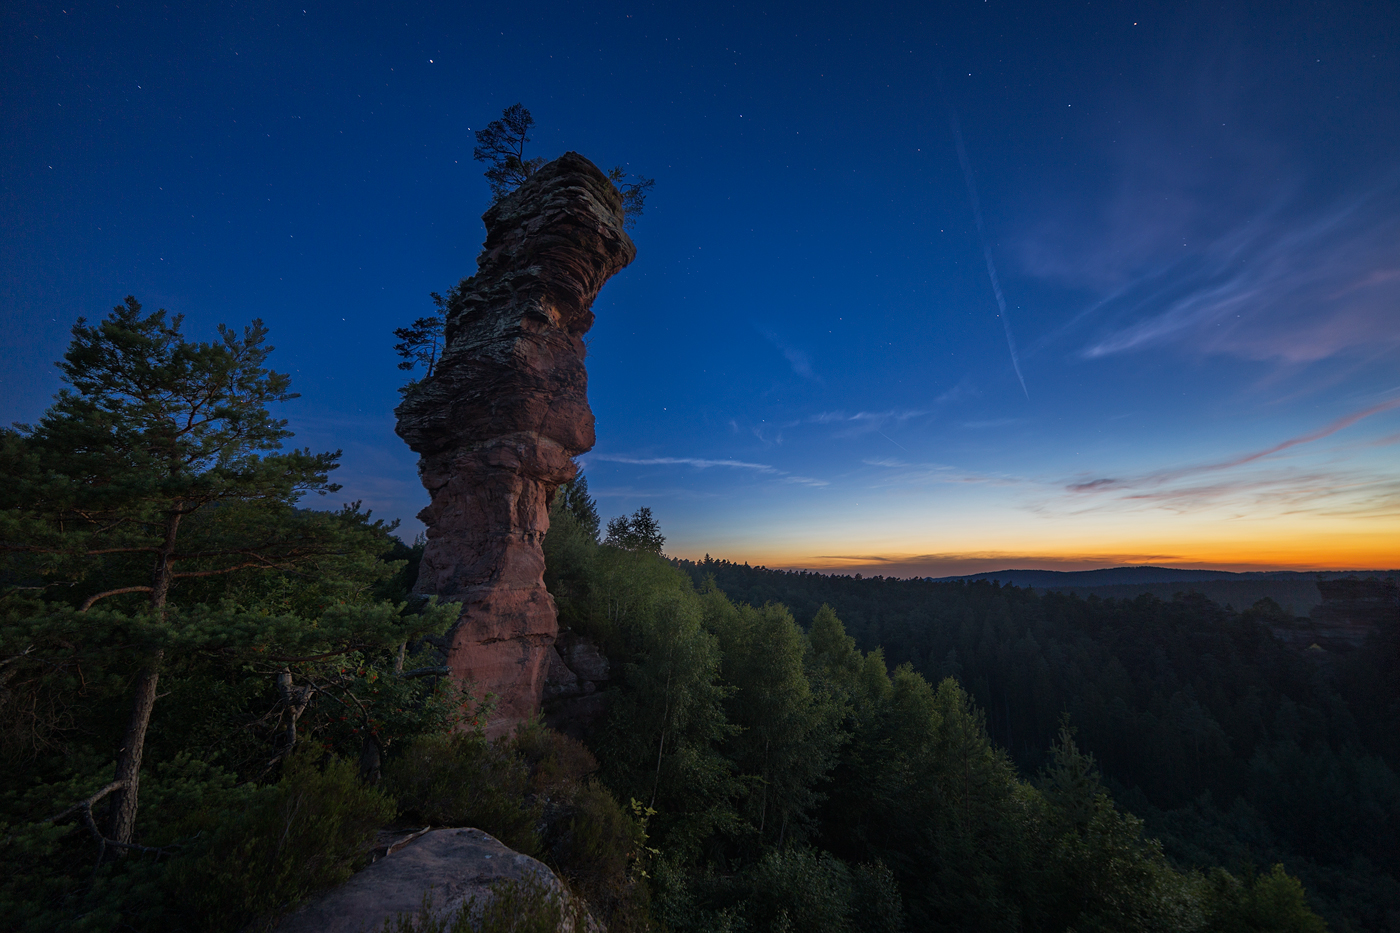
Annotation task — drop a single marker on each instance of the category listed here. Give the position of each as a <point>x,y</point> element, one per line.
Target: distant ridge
<point>1135,576</point>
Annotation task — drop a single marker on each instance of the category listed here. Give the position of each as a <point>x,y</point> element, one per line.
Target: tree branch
<point>87,804</point>
<point>87,604</point>
<point>314,657</point>
<point>264,564</point>
<point>15,658</point>
<point>442,671</point>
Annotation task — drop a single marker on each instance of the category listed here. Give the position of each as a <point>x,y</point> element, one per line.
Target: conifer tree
<point>502,147</point>
<point>636,532</point>
<point>154,474</point>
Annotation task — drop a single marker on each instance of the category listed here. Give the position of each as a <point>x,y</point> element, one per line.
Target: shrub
<point>557,762</point>
<point>463,780</point>
<point>529,906</point>
<point>309,831</point>
<point>599,852</point>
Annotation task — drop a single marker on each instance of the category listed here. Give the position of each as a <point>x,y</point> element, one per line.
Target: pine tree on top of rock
<point>502,147</point>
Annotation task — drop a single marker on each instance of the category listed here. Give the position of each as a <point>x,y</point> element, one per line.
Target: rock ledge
<point>451,866</point>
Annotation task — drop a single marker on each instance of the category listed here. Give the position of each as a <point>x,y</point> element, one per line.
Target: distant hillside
<point>1297,597</point>
<point>1124,576</point>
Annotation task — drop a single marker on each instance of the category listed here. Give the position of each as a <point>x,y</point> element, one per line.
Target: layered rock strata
<point>505,412</point>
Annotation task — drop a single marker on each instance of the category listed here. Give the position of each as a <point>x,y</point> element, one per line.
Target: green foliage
<point>463,780</point>
<point>802,889</point>
<point>1233,747</point>
<point>1274,902</point>
<point>573,498</point>
<point>48,879</point>
<point>636,532</point>
<point>787,735</point>
<point>570,549</point>
<point>532,792</point>
<point>307,832</point>
<point>661,741</point>
<point>784,890</point>
<point>529,906</point>
<point>153,431</point>
<point>151,534</point>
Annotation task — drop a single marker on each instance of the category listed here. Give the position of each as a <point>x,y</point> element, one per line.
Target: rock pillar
<point>505,412</point>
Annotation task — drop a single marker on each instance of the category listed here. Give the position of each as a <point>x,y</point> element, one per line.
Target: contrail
<point>986,247</point>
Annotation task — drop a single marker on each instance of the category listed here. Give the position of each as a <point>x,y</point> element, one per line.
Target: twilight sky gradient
<point>1192,211</point>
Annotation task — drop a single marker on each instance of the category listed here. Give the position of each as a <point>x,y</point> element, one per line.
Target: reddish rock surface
<point>504,414</point>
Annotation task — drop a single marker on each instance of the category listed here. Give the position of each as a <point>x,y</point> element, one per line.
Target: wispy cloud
<point>699,463</point>
<point>703,463</point>
<point>967,563</point>
<point>1103,484</point>
<point>963,390</point>
<point>1252,483</point>
<point>902,473</point>
<point>861,422</point>
<point>1296,291</point>
<point>798,359</point>
<point>1225,249</point>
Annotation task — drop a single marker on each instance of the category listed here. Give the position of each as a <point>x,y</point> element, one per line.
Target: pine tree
<point>156,474</point>
<point>422,344</point>
<point>502,147</point>
<point>636,532</point>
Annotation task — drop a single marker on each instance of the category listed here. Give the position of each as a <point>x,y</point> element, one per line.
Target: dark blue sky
<point>1193,212</point>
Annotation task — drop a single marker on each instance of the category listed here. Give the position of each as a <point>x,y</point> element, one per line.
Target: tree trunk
<point>122,820</point>
<point>121,823</point>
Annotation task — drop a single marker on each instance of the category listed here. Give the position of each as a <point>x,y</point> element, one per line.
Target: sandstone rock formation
<point>448,866</point>
<point>578,671</point>
<point>498,424</point>
<point>1350,611</point>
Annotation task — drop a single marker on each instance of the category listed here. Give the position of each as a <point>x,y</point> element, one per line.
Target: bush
<point>794,889</point>
<point>463,780</point>
<point>49,876</point>
<point>557,762</point>
<point>600,853</point>
<point>804,889</point>
<point>531,906</point>
<point>308,832</point>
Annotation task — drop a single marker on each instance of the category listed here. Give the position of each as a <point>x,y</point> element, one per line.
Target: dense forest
<point>1234,748</point>
<point>212,699</point>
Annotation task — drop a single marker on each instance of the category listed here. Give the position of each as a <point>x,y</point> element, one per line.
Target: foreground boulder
<point>448,867</point>
<point>502,417</point>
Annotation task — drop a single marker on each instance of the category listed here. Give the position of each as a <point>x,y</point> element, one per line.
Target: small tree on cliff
<point>502,147</point>
<point>423,342</point>
<point>634,193</point>
<point>151,474</point>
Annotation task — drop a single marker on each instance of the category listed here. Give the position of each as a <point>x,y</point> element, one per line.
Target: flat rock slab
<point>449,865</point>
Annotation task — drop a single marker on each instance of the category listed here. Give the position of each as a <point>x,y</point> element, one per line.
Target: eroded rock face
<point>504,414</point>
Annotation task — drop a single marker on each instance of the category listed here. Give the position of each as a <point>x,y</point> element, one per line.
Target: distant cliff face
<point>1351,609</point>
<point>500,421</point>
